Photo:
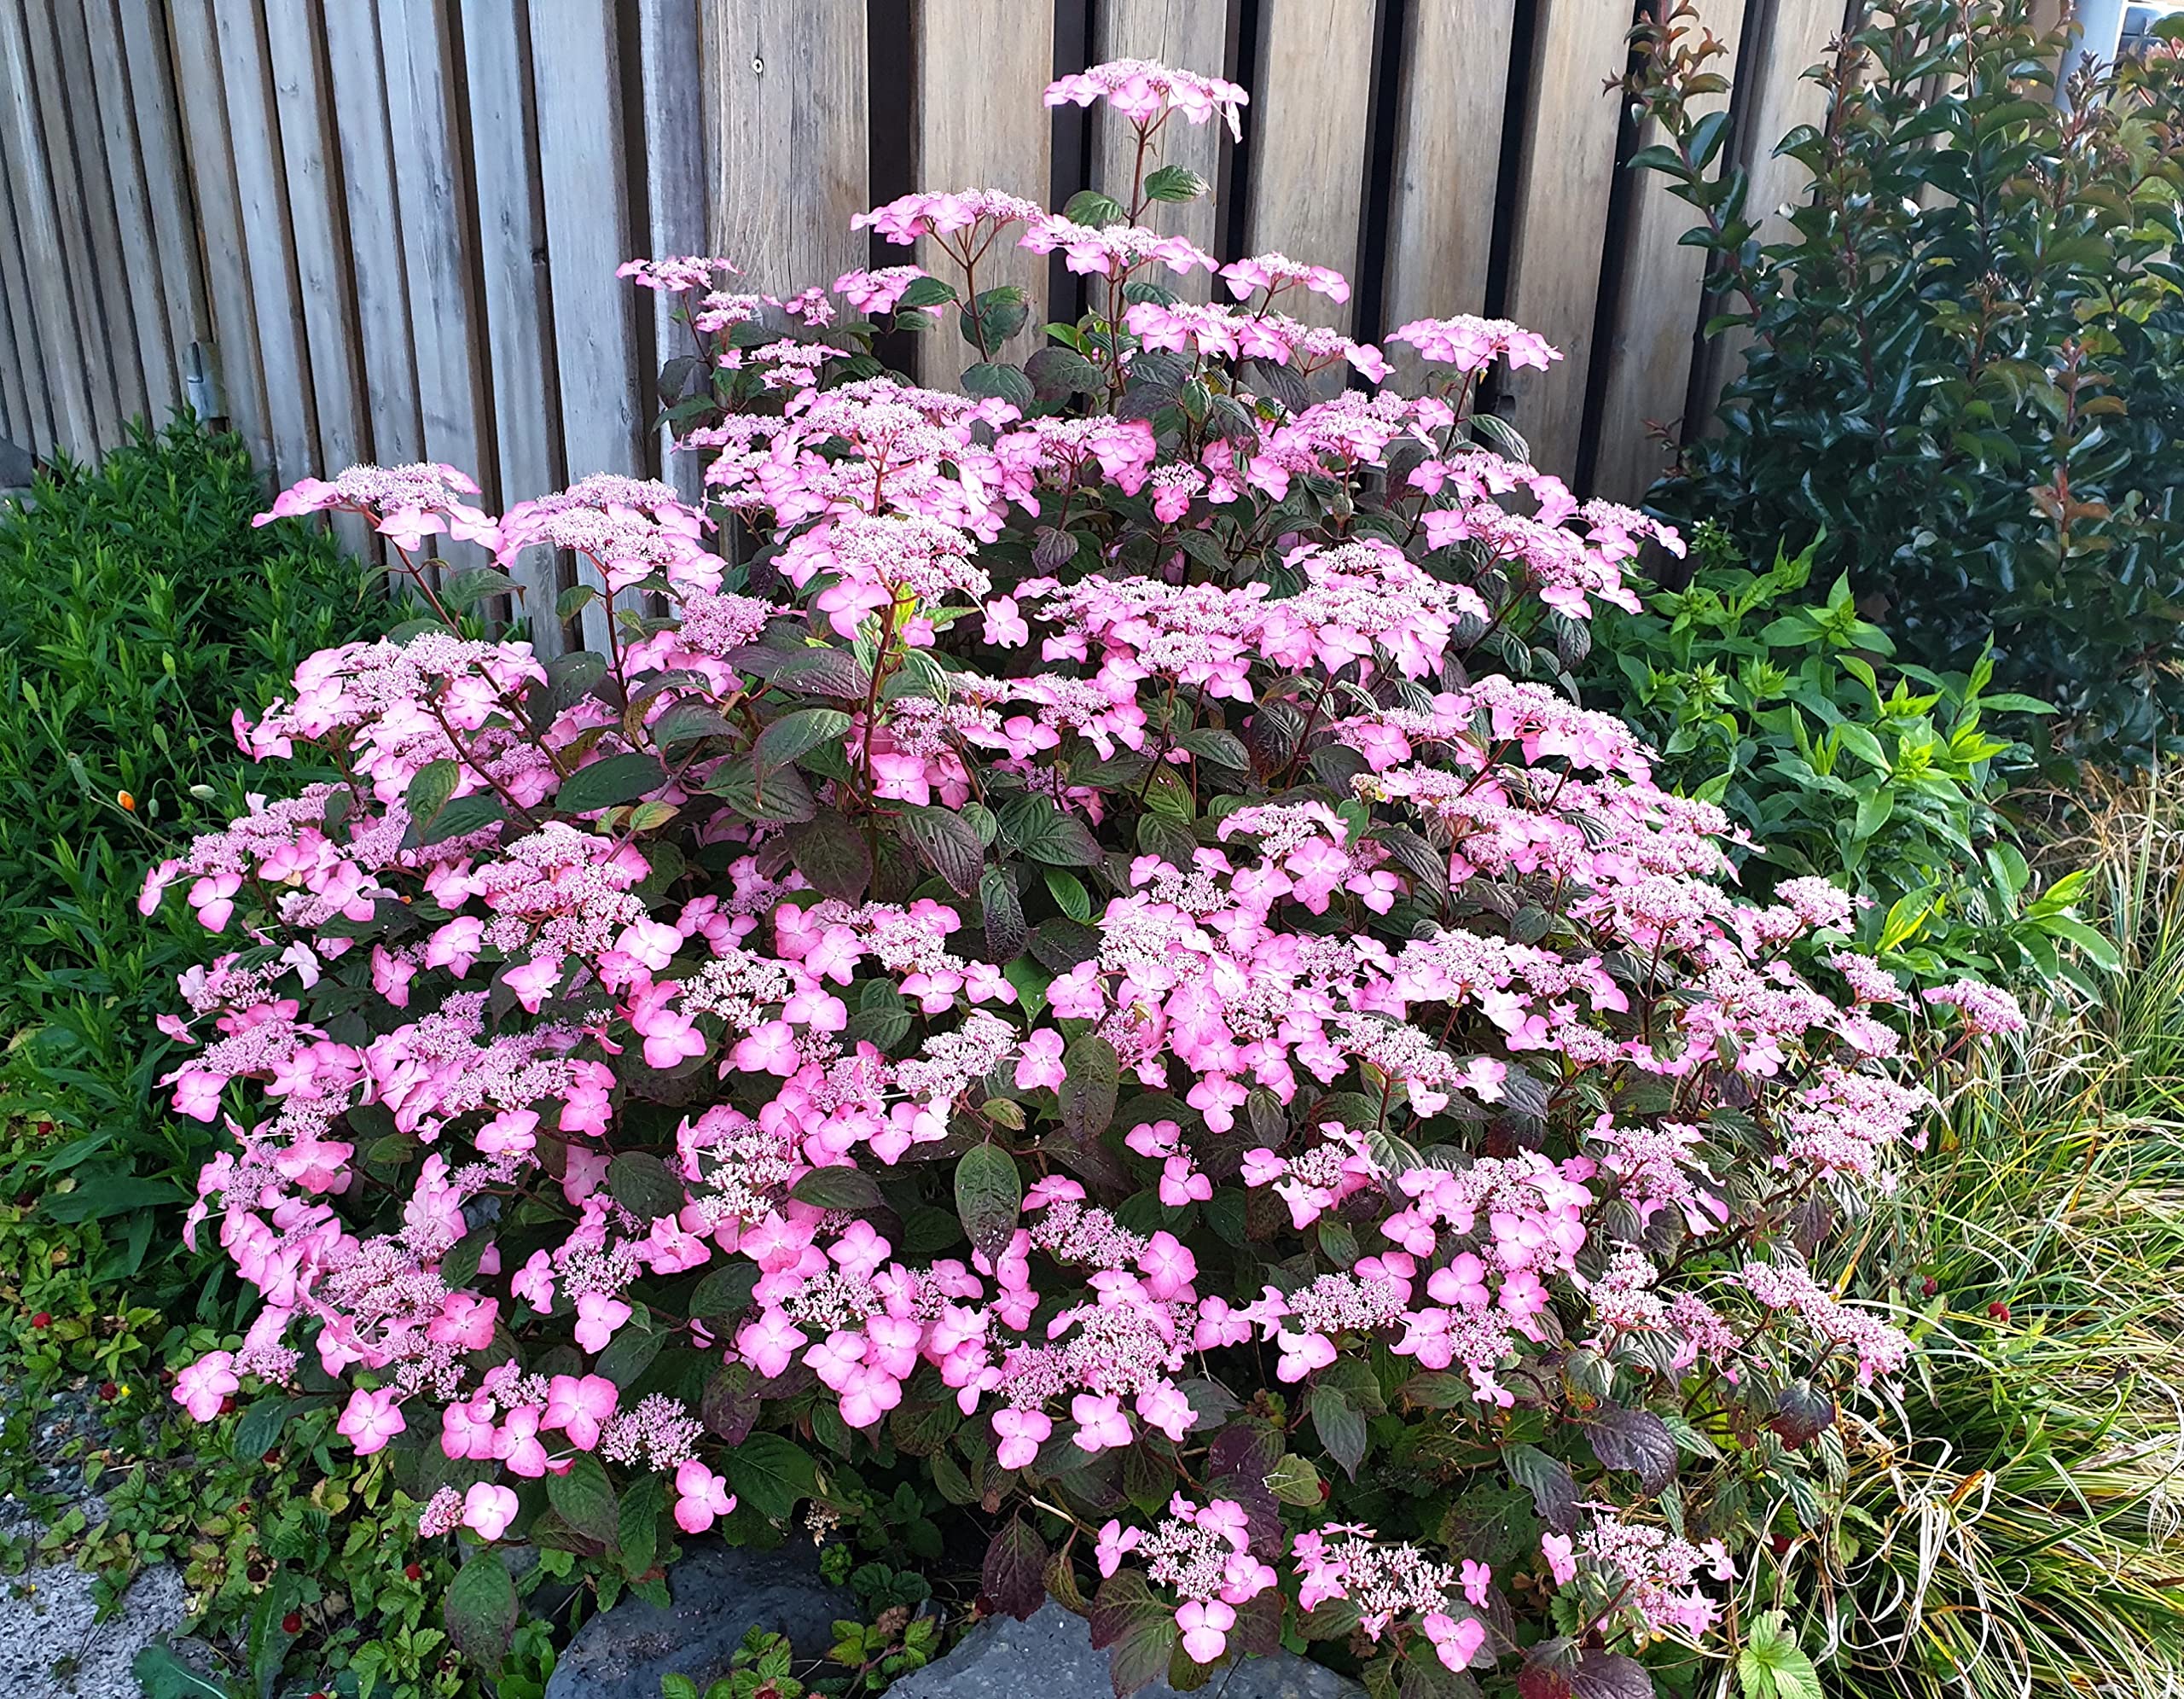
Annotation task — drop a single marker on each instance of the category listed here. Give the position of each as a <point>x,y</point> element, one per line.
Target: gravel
<point>51,1647</point>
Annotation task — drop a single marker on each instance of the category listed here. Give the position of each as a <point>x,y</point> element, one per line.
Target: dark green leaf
<point>480,1611</point>
<point>583,1498</point>
<point>609,783</point>
<point>1092,1078</point>
<point>988,1196</point>
<point>849,1188</point>
<point>641,1183</point>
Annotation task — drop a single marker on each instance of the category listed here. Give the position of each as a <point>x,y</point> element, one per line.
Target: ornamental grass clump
<point>1100,973</point>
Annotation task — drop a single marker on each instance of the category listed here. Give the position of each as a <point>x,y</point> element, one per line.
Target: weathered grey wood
<point>16,424</point>
<point>1656,311</point>
<point>1308,121</point>
<point>1448,163</point>
<point>786,81</point>
<point>376,230</point>
<point>511,247</point>
<point>576,71</point>
<point>262,205</point>
<point>75,94</point>
<point>671,61</point>
<point>35,421</point>
<point>433,189</point>
<point>164,165</point>
<point>1564,184</point>
<point>55,164</point>
<point>310,154</point>
<point>983,67</point>
<point>217,198</point>
<point>1189,37</point>
<point>76,423</point>
<point>131,199</point>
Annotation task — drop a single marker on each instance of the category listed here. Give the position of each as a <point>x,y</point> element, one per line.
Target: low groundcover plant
<point>1102,960</point>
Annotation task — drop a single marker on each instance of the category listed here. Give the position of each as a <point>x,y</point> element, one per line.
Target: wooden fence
<point>387,230</point>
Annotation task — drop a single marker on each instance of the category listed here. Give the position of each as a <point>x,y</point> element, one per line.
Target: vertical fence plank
<point>575,65</point>
<point>983,66</point>
<point>1309,119</point>
<point>36,421</point>
<point>142,279</point>
<point>1564,183</point>
<point>1189,38</point>
<point>76,423</point>
<point>308,153</point>
<point>262,203</point>
<point>1447,164</point>
<point>1780,97</point>
<point>14,403</point>
<point>1656,311</point>
<point>524,392</point>
<point>360,72</point>
<point>74,94</point>
<point>670,64</point>
<point>168,202</point>
<point>792,163</point>
<point>54,178</point>
<point>201,90</point>
<point>432,183</point>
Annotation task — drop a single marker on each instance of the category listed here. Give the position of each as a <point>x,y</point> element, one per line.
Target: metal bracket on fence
<point>200,381</point>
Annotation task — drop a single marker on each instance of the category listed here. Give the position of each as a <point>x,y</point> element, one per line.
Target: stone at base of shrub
<point>719,1593</point>
<point>1052,1655</point>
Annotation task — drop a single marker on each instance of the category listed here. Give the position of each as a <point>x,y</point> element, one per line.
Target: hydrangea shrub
<point>1101,966</point>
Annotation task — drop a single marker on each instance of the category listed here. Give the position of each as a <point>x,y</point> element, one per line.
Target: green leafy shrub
<point>1964,352</point>
<point>138,607</point>
<point>1790,711</point>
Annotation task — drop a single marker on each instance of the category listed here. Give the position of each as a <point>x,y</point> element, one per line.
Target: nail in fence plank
<point>676,192</point>
<point>201,92</point>
<point>1780,99</point>
<point>1192,38</point>
<point>1657,314</point>
<point>1448,158</point>
<point>309,159</point>
<point>432,188</point>
<point>1564,183</point>
<point>175,220</point>
<point>377,230</point>
<point>141,276</point>
<point>526,392</point>
<point>983,67</point>
<point>111,281</point>
<point>576,69</point>
<point>786,80</point>
<point>262,203</point>
<point>76,423</point>
<point>1308,127</point>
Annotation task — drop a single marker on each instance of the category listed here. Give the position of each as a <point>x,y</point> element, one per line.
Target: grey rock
<point>1052,1657</point>
<point>719,1593</point>
<point>52,1647</point>
<point>15,465</point>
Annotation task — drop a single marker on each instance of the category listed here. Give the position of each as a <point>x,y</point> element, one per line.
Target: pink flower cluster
<point>1361,1005</point>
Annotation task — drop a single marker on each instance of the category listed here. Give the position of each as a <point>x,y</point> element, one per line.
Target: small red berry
<point>293,1623</point>
<point>1929,1286</point>
<point>1999,1310</point>
<point>108,1391</point>
<point>42,1319</point>
<point>413,1572</point>
<point>272,1455</point>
